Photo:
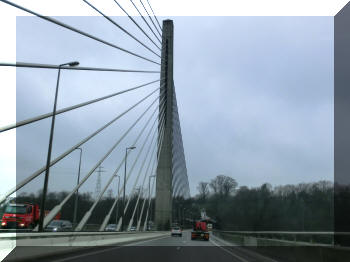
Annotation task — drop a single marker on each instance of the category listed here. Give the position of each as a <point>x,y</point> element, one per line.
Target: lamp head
<point>75,63</point>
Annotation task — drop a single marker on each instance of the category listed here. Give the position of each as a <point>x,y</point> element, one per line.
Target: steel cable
<point>60,157</point>
<point>57,208</point>
<point>66,109</point>
<point>52,20</point>
<point>145,21</point>
<point>138,26</point>
<point>121,28</point>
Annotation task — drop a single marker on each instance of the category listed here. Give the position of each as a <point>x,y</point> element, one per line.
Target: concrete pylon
<point>163,205</point>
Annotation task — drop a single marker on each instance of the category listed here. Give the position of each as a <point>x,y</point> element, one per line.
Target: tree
<point>203,190</point>
<point>223,185</point>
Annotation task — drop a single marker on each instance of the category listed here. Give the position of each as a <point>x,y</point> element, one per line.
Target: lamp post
<point>117,209</point>
<point>183,217</point>
<point>123,211</point>
<point>140,191</point>
<point>77,193</point>
<point>149,194</point>
<point>47,172</point>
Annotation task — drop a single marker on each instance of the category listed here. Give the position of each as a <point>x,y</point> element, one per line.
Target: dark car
<point>59,225</point>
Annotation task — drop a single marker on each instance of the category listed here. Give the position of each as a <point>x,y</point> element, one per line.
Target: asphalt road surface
<point>167,248</point>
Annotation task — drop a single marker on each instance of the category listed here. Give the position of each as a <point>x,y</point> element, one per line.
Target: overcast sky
<point>255,97</point>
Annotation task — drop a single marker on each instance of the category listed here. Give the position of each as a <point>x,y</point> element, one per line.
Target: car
<point>111,227</point>
<point>176,231</point>
<point>59,225</point>
<point>132,228</point>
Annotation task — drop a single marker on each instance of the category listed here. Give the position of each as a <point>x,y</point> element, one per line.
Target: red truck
<point>200,231</point>
<point>24,216</point>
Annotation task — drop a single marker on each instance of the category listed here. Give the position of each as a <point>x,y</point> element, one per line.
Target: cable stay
<point>52,20</point>
<point>87,215</point>
<point>149,204</point>
<point>155,16</point>
<point>150,18</point>
<point>63,110</point>
<point>47,66</point>
<point>145,21</point>
<point>58,208</point>
<point>121,28</point>
<point>143,182</point>
<point>135,183</point>
<point>60,157</point>
<point>106,220</point>
<point>138,26</point>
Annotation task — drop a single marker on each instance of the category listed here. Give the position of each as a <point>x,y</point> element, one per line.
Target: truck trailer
<point>200,231</point>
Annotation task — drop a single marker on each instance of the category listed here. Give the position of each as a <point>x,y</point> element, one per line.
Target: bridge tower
<point>164,191</point>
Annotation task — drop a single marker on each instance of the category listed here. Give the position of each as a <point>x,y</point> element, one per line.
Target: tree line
<point>301,207</point>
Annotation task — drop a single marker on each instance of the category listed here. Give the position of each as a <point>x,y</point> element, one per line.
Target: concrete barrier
<point>65,242</point>
<point>286,250</point>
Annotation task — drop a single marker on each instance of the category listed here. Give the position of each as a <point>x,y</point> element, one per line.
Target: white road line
<point>232,254</point>
<point>145,241</point>
<point>249,252</point>
<point>85,254</point>
<point>104,250</point>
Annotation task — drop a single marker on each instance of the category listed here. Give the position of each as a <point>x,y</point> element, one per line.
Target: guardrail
<point>273,238</point>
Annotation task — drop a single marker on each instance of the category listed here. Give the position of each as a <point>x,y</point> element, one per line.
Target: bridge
<point>165,155</point>
<point>149,167</point>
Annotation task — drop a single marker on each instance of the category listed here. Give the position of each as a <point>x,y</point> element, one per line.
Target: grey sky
<point>255,96</point>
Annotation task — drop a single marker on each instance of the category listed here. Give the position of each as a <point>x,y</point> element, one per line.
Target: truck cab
<point>20,216</point>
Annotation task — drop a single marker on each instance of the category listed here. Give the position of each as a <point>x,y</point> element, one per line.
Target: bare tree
<point>203,190</point>
<point>223,185</point>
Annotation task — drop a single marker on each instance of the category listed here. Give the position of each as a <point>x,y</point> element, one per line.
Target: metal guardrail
<point>310,238</point>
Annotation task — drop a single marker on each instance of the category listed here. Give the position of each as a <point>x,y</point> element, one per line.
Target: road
<point>165,249</point>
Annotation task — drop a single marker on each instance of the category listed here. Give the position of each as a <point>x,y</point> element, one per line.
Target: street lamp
<point>140,192</point>
<point>47,172</point>
<point>126,156</point>
<point>117,209</point>
<point>183,217</point>
<point>149,194</point>
<point>77,193</point>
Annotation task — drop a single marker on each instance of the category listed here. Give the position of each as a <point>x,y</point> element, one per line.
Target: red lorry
<point>200,231</point>
<point>24,216</point>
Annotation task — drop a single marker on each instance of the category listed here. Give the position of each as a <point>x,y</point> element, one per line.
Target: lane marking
<point>255,255</point>
<point>232,254</point>
<point>105,250</point>
<point>145,241</point>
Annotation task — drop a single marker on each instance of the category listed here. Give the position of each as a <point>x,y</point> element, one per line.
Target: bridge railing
<point>277,238</point>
